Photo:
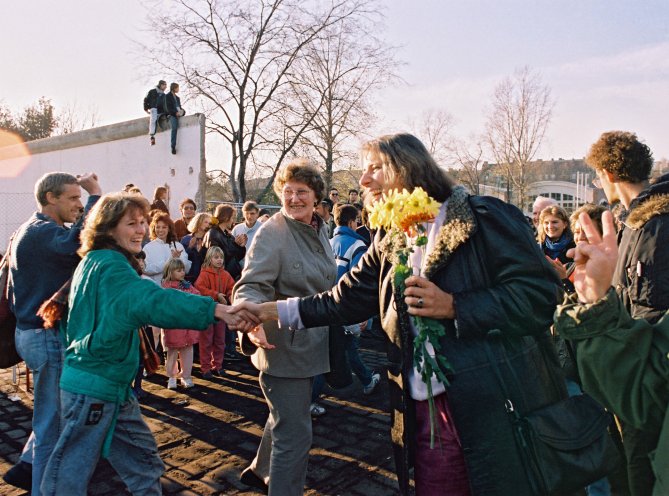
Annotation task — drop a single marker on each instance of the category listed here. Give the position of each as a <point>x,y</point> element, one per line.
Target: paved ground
<point>208,441</point>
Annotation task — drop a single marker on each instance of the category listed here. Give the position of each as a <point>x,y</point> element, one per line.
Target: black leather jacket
<point>487,258</point>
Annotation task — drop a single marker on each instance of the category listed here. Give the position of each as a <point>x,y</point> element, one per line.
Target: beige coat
<point>288,258</point>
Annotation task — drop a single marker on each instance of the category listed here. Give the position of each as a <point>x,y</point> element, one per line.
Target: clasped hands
<point>248,317</point>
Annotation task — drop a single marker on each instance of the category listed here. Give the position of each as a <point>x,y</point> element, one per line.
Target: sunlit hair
<point>555,211</point>
<point>300,171</point>
<point>104,217</point>
<point>249,206</point>
<point>172,265</point>
<point>623,155</point>
<point>224,213</point>
<point>159,192</point>
<point>407,163</point>
<point>164,218</point>
<point>594,212</point>
<point>54,183</point>
<point>211,253</point>
<point>196,222</point>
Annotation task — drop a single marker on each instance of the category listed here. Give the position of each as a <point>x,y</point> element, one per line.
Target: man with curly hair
<point>623,165</point>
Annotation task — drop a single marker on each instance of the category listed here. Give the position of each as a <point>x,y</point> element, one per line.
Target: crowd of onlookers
<point>316,266</point>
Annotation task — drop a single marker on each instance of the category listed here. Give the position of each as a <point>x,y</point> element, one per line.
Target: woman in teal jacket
<point>623,362</point>
<point>108,302</point>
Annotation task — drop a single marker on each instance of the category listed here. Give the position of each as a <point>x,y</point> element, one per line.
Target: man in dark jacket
<point>641,278</point>
<point>154,105</point>
<point>174,111</point>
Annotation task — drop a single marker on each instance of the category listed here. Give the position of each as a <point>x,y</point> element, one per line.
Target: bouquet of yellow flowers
<point>403,214</point>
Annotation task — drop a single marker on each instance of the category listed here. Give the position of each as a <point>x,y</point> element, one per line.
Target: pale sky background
<point>606,61</point>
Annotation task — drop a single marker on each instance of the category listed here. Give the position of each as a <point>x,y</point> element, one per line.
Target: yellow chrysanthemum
<point>403,210</point>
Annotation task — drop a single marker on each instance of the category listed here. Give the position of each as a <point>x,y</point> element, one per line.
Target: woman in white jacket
<point>162,247</point>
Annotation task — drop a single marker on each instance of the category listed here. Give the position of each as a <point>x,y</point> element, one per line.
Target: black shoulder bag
<point>564,446</point>
<point>8,355</point>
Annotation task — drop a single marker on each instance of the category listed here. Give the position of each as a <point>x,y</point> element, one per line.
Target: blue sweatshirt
<point>43,258</point>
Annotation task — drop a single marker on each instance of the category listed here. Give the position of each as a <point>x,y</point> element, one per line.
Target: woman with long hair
<point>99,414</point>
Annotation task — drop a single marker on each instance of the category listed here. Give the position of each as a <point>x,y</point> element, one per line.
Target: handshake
<point>248,317</point>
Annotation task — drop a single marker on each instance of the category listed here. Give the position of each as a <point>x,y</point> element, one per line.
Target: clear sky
<point>607,62</point>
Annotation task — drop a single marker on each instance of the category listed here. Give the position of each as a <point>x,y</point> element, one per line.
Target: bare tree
<point>435,130</point>
<point>468,155</point>
<point>336,75</point>
<point>522,107</point>
<point>73,118</point>
<point>236,58</point>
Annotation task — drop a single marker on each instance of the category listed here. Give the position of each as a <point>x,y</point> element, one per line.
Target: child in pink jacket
<point>178,342</point>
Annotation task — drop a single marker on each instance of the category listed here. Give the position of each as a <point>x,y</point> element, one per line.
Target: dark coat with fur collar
<point>487,258</point>
<point>642,274</point>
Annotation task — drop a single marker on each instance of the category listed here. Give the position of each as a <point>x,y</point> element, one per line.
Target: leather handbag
<point>150,358</point>
<point>8,354</point>
<point>564,446</point>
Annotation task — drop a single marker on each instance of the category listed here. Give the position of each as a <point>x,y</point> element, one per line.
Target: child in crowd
<point>179,342</point>
<point>216,282</point>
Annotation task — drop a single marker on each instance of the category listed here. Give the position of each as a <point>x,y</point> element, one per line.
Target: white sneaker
<point>369,388</point>
<point>187,383</point>
<point>172,383</point>
<point>317,410</point>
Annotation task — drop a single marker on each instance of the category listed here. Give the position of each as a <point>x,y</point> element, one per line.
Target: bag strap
<point>508,403</point>
<point>4,268</point>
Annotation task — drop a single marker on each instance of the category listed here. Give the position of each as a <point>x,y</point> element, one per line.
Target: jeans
<point>600,487</point>
<point>42,351</point>
<point>153,121</point>
<point>174,125</point>
<point>86,421</point>
<point>357,365</point>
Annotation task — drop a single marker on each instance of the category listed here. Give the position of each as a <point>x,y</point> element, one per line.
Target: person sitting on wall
<point>174,111</point>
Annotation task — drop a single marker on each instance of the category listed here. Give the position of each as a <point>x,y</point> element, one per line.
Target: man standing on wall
<point>154,105</point>
<point>641,278</point>
<point>43,258</point>
<point>174,110</point>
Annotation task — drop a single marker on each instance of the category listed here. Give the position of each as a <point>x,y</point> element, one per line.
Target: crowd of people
<point>587,289</point>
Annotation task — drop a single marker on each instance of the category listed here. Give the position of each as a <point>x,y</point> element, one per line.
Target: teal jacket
<point>624,364</point>
<point>108,303</point>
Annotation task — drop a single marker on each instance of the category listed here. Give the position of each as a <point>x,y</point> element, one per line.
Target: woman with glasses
<point>291,257</point>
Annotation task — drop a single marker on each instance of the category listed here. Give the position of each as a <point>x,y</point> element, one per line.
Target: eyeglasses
<point>301,193</point>
<point>188,207</point>
<point>597,183</point>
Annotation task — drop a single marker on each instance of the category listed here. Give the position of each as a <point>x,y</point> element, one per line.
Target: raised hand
<point>89,181</point>
<point>595,259</point>
<point>559,268</point>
